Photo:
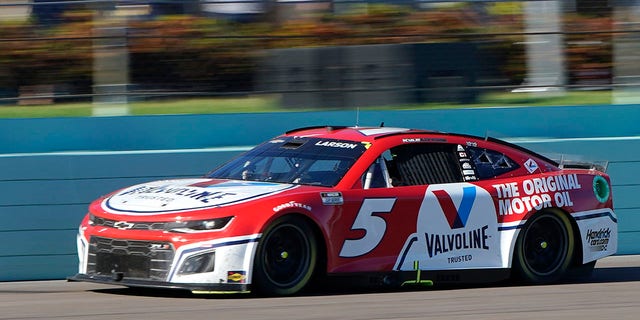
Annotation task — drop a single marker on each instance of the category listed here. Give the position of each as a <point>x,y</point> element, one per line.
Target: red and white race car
<point>390,206</point>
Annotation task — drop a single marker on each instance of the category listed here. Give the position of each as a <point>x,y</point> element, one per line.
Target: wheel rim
<point>286,255</point>
<point>545,245</point>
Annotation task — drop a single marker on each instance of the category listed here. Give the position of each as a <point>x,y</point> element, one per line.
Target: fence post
<point>626,62</point>
<point>545,57</point>
<point>110,63</point>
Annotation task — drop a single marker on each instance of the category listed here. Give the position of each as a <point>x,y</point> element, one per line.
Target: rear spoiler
<point>574,164</point>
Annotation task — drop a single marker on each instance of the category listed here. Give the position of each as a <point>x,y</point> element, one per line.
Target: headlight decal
<point>199,225</point>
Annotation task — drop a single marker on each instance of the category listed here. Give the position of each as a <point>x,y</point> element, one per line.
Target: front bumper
<point>196,288</point>
<point>162,264</point>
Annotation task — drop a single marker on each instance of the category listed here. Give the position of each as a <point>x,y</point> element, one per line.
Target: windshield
<point>312,161</point>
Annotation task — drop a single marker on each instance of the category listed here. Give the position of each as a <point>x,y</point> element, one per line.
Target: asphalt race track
<point>613,292</point>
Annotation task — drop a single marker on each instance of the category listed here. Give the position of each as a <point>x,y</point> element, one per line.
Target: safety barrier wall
<point>47,179</point>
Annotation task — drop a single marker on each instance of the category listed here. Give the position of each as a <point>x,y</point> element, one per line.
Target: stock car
<point>385,206</point>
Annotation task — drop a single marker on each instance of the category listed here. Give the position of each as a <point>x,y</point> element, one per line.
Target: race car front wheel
<point>285,258</point>
<point>544,249</point>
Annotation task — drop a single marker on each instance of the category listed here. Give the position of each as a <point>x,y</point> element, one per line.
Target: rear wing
<point>587,165</point>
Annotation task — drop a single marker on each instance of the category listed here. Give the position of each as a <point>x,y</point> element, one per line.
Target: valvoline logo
<point>170,196</point>
<point>456,227</point>
<point>457,217</point>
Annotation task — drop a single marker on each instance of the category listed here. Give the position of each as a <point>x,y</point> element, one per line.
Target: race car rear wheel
<point>286,257</point>
<point>544,249</point>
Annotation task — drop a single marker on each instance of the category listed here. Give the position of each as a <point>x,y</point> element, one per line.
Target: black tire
<point>544,249</point>
<point>285,258</point>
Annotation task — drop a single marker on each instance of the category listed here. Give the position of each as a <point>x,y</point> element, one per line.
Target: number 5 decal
<point>374,227</point>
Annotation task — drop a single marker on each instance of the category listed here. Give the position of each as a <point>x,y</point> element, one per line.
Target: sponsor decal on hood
<point>169,196</point>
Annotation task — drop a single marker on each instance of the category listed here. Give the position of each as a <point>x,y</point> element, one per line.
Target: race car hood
<point>171,196</point>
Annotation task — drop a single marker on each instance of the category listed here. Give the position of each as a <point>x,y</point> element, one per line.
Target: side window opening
<point>377,176</point>
<point>421,164</point>
<point>503,162</point>
<point>490,163</point>
<point>483,158</point>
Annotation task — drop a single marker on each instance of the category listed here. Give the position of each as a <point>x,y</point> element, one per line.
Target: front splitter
<point>196,288</point>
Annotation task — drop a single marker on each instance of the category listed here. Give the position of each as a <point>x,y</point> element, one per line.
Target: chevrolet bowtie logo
<point>123,225</point>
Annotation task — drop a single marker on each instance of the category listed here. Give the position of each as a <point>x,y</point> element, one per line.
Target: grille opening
<point>129,266</point>
<point>149,260</point>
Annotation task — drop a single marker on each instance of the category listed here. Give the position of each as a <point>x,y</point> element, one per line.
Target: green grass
<point>255,104</point>
<point>179,106</point>
<point>207,106</point>
<point>46,111</point>
<point>570,98</point>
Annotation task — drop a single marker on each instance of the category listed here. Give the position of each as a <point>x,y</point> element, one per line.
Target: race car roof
<point>372,133</point>
<point>352,133</point>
